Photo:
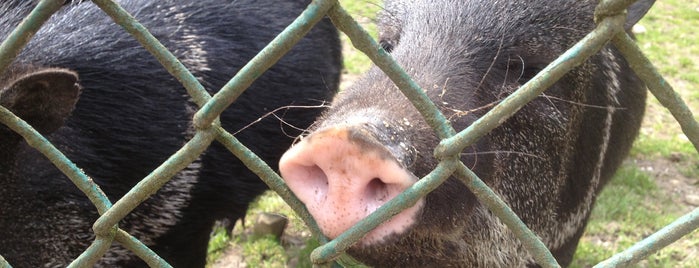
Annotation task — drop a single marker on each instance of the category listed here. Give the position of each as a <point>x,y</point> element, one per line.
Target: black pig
<point>106,103</point>
<point>548,161</point>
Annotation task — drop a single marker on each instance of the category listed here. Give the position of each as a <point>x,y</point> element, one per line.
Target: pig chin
<point>342,174</point>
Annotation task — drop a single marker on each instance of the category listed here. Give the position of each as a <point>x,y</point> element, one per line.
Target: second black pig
<point>129,115</point>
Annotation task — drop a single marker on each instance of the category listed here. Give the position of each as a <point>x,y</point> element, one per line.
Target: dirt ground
<point>232,257</point>
<point>683,190</point>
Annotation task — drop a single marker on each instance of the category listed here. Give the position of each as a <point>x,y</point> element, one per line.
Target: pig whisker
<point>548,98</point>
<point>460,113</point>
<point>492,63</point>
<point>444,89</point>
<point>507,70</point>
<point>503,152</point>
<point>575,31</point>
<point>383,10</point>
<point>475,158</point>
<point>281,120</point>
<point>376,4</point>
<point>304,133</point>
<point>521,72</point>
<point>582,104</point>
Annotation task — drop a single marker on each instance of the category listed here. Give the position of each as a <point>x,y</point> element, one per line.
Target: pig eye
<point>529,73</point>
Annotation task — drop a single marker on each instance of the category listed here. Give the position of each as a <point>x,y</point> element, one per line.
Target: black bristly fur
<point>132,115</point>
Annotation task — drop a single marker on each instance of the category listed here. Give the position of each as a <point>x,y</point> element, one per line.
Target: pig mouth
<point>342,174</point>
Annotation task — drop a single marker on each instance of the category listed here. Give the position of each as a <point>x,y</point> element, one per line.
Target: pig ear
<point>44,98</point>
<point>636,12</point>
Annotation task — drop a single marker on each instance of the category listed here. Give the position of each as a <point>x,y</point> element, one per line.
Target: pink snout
<point>342,175</point>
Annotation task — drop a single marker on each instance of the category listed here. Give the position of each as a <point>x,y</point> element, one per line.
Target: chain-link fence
<point>610,18</point>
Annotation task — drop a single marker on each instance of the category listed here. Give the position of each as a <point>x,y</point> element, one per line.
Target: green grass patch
<point>264,251</point>
<point>217,244</point>
<point>304,257</point>
<point>623,198</point>
<point>363,12</point>
<point>670,42</point>
<point>690,170</point>
<point>648,147</point>
<point>629,209</point>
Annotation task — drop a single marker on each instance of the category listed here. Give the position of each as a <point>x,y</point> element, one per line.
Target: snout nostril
<point>316,176</point>
<point>378,190</point>
<point>308,181</point>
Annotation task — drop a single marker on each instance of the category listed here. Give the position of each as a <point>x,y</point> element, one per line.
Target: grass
<point>364,12</point>
<point>217,244</point>
<point>631,208</point>
<point>636,203</point>
<point>266,251</point>
<point>670,43</point>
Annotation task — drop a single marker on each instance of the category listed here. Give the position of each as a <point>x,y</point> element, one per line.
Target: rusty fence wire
<point>610,17</point>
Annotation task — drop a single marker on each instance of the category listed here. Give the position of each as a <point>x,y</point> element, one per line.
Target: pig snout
<point>343,174</point>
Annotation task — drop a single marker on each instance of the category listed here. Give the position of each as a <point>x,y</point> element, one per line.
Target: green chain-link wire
<point>610,17</point>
